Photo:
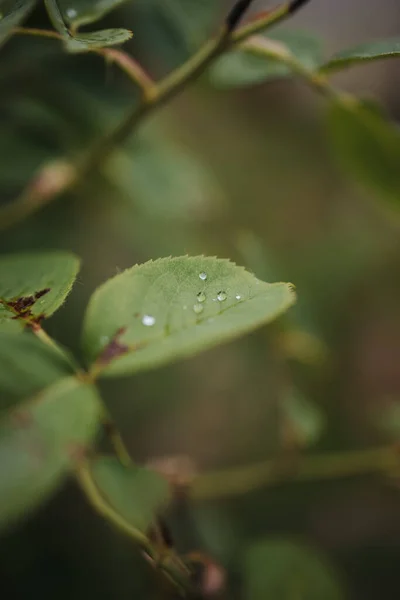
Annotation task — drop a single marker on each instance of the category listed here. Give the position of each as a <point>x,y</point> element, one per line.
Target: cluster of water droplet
<point>198,307</point>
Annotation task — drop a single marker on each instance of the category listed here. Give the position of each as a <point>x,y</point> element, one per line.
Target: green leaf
<point>84,12</point>
<point>86,41</point>
<point>279,568</point>
<point>97,39</point>
<point>137,494</point>
<point>157,312</point>
<point>193,22</point>
<point>163,180</point>
<point>261,62</point>
<point>376,50</point>
<point>303,419</point>
<point>367,146</point>
<point>40,440</point>
<point>12,12</point>
<point>33,286</point>
<point>27,366</point>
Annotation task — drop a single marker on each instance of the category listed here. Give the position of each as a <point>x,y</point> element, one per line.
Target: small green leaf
<point>279,568</point>
<point>40,440</point>
<point>137,494</point>
<point>86,41</point>
<point>33,286</point>
<point>12,12</point>
<point>84,12</point>
<point>155,313</point>
<point>376,50</point>
<point>97,39</point>
<point>303,418</point>
<point>27,366</point>
<point>245,65</point>
<point>368,147</point>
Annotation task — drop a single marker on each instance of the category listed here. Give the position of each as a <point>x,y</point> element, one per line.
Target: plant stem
<point>126,63</point>
<point>154,96</point>
<point>115,438</point>
<point>93,495</point>
<point>167,562</point>
<point>236,481</point>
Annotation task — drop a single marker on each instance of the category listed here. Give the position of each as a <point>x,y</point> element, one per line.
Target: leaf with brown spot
<point>34,286</point>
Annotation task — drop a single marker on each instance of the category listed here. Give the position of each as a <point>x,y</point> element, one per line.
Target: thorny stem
<point>154,96</point>
<point>240,480</point>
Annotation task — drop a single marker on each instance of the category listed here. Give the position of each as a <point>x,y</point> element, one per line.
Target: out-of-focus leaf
<point>27,366</point>
<point>84,12</point>
<point>192,21</point>
<point>286,570</point>
<point>97,39</point>
<point>136,493</point>
<point>86,41</point>
<point>157,312</point>
<point>39,440</point>
<point>33,286</point>
<point>163,180</point>
<point>12,12</point>
<point>255,63</point>
<point>304,421</point>
<point>368,147</point>
<point>376,50</point>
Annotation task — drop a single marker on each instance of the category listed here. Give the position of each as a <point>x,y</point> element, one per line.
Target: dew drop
<point>221,296</point>
<point>198,308</point>
<point>203,276</point>
<point>148,320</point>
<point>238,297</point>
<point>201,297</point>
<point>71,13</point>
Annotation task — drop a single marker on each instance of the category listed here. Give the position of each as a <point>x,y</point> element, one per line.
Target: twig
<point>156,96</point>
<point>274,472</point>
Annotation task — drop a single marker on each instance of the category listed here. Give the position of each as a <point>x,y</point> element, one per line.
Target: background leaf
<point>242,67</point>
<point>286,570</point>
<point>33,285</point>
<point>304,421</point>
<point>27,366</point>
<point>84,12</point>
<point>376,50</point>
<point>39,441</point>
<point>154,313</point>
<point>12,12</point>
<point>368,147</point>
<point>137,494</point>
<point>163,180</point>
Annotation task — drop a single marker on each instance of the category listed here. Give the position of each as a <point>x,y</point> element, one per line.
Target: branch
<point>278,471</point>
<point>154,96</point>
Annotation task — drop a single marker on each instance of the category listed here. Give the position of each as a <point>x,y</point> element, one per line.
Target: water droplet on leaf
<point>71,13</point>
<point>203,276</point>
<point>201,297</point>
<point>148,320</point>
<point>221,296</point>
<point>238,297</point>
<point>198,308</point>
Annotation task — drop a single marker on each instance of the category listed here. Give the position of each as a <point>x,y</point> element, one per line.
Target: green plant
<point>157,312</point>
